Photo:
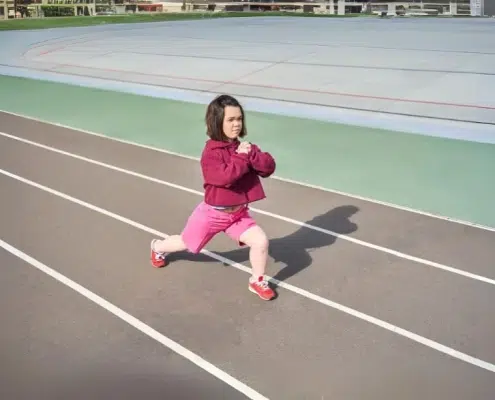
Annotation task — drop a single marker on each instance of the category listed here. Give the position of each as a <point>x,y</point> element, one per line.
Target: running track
<point>374,302</point>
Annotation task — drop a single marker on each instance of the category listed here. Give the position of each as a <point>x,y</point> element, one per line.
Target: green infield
<point>62,22</point>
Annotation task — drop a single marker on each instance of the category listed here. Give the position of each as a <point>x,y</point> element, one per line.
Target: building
<point>489,7</point>
<point>48,8</point>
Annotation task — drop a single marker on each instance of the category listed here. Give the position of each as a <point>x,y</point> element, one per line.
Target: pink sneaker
<point>261,288</point>
<point>157,259</point>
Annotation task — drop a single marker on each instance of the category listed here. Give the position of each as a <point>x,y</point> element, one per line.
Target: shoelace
<point>262,284</point>
<point>158,255</point>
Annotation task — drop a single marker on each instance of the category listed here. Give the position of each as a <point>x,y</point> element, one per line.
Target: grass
<point>61,22</point>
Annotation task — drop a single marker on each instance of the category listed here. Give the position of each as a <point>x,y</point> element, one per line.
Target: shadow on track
<point>292,250</point>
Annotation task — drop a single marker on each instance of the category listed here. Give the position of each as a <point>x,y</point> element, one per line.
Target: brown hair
<point>215,113</point>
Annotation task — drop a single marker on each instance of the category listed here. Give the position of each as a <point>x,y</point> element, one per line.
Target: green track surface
<point>443,176</point>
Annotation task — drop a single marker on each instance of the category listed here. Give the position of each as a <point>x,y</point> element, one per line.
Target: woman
<point>231,172</point>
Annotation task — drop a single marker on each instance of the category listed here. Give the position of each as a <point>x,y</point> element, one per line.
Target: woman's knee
<point>255,237</point>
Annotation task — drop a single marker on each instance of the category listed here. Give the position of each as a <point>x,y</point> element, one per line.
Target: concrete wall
<point>489,7</point>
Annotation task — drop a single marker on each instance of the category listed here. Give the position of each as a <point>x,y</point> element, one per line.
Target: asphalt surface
<point>58,345</point>
<point>296,347</point>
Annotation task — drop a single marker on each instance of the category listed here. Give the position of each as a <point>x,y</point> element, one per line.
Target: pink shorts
<point>205,222</point>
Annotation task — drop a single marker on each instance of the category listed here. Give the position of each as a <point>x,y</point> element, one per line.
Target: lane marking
<point>136,323</point>
<point>219,83</point>
<point>295,182</point>
<point>267,213</point>
<point>360,315</point>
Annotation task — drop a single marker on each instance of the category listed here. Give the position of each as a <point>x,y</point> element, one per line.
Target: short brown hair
<point>215,113</point>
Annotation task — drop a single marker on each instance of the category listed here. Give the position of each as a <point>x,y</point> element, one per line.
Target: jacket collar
<point>215,144</point>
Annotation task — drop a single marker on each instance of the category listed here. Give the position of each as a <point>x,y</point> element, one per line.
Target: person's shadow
<point>293,250</point>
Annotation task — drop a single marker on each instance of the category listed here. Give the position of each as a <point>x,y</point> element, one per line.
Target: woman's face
<point>232,122</point>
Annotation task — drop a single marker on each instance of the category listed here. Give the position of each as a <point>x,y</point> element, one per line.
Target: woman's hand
<point>244,147</point>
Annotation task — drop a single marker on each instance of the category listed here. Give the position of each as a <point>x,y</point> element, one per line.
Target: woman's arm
<point>262,162</point>
<point>216,172</point>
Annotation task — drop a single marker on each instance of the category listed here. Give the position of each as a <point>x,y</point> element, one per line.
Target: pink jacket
<point>231,179</point>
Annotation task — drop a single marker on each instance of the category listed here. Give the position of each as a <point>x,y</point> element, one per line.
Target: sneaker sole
<point>256,293</point>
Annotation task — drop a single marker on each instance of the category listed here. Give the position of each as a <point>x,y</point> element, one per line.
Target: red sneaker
<point>157,259</point>
<point>261,288</point>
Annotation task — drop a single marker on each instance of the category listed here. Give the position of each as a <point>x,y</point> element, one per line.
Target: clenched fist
<point>244,147</point>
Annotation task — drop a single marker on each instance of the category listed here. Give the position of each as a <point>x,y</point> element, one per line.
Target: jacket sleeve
<point>262,162</point>
<point>216,172</point>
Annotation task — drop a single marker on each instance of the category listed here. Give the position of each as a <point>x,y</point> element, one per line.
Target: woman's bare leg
<point>170,244</point>
<point>257,241</point>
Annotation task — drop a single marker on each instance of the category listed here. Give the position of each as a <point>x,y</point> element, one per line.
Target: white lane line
<point>136,323</point>
<point>365,317</point>
<point>295,182</point>
<point>267,213</point>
